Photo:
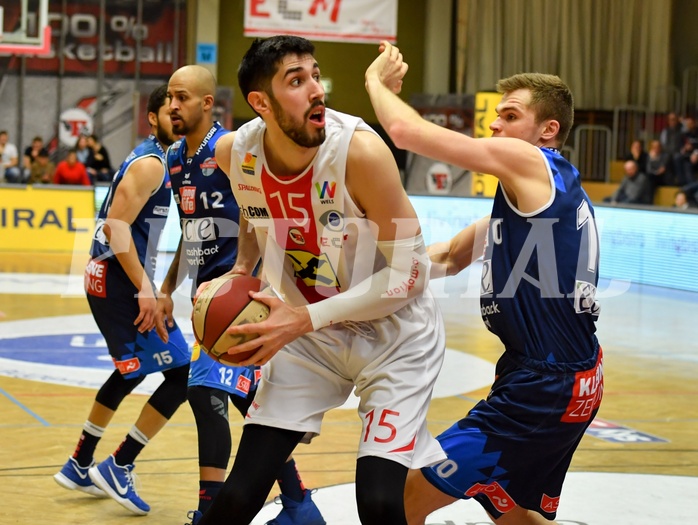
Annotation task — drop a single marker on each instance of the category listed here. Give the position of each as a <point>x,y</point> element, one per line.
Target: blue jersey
<point>543,308</point>
<point>148,225</point>
<point>208,212</point>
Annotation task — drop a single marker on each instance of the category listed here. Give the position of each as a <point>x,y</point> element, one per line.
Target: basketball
<point>223,303</point>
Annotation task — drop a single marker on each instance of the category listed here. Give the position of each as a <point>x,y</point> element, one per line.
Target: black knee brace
<point>172,392</point>
<point>115,389</point>
<point>210,408</point>
<point>380,486</point>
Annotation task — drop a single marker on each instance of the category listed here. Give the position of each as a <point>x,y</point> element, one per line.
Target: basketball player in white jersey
<point>322,203</point>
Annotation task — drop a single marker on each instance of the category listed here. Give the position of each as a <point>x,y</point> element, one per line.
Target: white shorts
<point>393,368</point>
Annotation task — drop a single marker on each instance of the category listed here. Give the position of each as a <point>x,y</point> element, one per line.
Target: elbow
<point>400,133</point>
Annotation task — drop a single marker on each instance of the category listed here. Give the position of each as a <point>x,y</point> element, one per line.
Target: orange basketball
<point>223,303</point>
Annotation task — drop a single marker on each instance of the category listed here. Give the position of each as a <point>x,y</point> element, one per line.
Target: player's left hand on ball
<point>284,324</point>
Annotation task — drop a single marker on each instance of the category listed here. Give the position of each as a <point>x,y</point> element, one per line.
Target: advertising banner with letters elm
<point>358,21</point>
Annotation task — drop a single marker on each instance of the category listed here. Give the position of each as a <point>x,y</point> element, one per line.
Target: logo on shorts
<point>502,501</point>
<point>128,366</point>
<point>243,384</point>
<point>548,504</point>
<point>96,278</point>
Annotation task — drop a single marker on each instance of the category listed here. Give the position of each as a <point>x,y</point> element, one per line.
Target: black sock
<point>208,490</point>
<point>290,482</point>
<point>85,449</point>
<point>130,447</point>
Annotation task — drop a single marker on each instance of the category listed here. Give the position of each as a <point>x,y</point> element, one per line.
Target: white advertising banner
<point>359,21</point>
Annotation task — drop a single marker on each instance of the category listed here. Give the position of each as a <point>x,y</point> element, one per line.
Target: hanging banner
<point>358,21</point>
<point>485,102</point>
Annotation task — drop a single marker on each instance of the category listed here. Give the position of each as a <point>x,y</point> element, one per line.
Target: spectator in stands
<point>42,169</point>
<point>687,161</point>
<point>691,193</point>
<point>99,167</point>
<point>71,171</point>
<point>634,188</point>
<point>9,159</point>
<point>83,151</point>
<point>657,169</point>
<point>681,200</point>
<point>638,154</point>
<point>670,138</point>
<point>30,154</point>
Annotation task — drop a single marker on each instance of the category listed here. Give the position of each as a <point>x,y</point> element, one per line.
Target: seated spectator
<point>688,155</point>
<point>99,167</point>
<point>671,140</point>
<point>30,154</point>
<point>83,150</point>
<point>691,193</point>
<point>681,200</point>
<point>638,154</point>
<point>42,169</point>
<point>9,159</point>
<point>71,171</point>
<point>658,166</point>
<point>634,188</point>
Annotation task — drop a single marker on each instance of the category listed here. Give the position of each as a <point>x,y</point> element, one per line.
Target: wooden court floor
<point>651,367</point>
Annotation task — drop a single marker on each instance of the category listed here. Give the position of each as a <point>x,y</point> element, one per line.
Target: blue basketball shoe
<point>119,483</point>
<point>74,477</point>
<point>298,513</point>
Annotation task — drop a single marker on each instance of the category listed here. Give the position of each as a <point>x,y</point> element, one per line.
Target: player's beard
<point>295,130</point>
<point>165,138</point>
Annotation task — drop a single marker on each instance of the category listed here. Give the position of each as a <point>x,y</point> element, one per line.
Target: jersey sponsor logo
<point>127,366</point>
<point>247,187</point>
<point>175,169</point>
<point>161,210</point>
<point>325,191</point>
<point>296,236</point>
<point>252,212</point>
<point>313,270</point>
<point>490,309</point>
<point>96,278</point>
<point>197,256</point>
<point>548,504</point>
<point>249,163</point>
<point>332,220</point>
<point>334,242</point>
<point>208,166</point>
<point>99,235</point>
<point>586,394</point>
<point>243,384</point>
<point>585,299</point>
<point>188,199</point>
<point>198,230</point>
<point>502,501</point>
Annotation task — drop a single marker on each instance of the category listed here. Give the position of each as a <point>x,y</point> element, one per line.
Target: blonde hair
<point>551,99</point>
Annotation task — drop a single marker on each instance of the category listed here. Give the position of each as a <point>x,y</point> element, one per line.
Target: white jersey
<point>319,244</point>
<point>318,230</point>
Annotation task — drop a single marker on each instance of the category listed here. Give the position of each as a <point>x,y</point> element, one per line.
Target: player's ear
<point>152,118</point>
<point>550,130</point>
<point>208,101</point>
<point>259,101</point>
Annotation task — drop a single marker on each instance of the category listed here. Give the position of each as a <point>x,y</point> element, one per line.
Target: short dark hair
<point>157,99</point>
<point>261,60</point>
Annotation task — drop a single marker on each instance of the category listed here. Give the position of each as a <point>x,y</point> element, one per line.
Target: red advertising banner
<point>76,32</point>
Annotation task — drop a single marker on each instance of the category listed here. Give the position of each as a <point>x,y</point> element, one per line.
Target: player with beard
<point>341,244</point>
<point>122,297</point>
<point>209,218</point>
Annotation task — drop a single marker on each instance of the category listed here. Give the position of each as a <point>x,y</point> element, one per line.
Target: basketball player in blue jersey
<point>540,270</point>
<point>122,297</point>
<point>209,218</point>
<point>341,244</point>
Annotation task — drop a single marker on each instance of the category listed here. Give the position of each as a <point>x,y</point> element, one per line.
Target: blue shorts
<point>236,380</point>
<point>515,447</point>
<point>114,307</point>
